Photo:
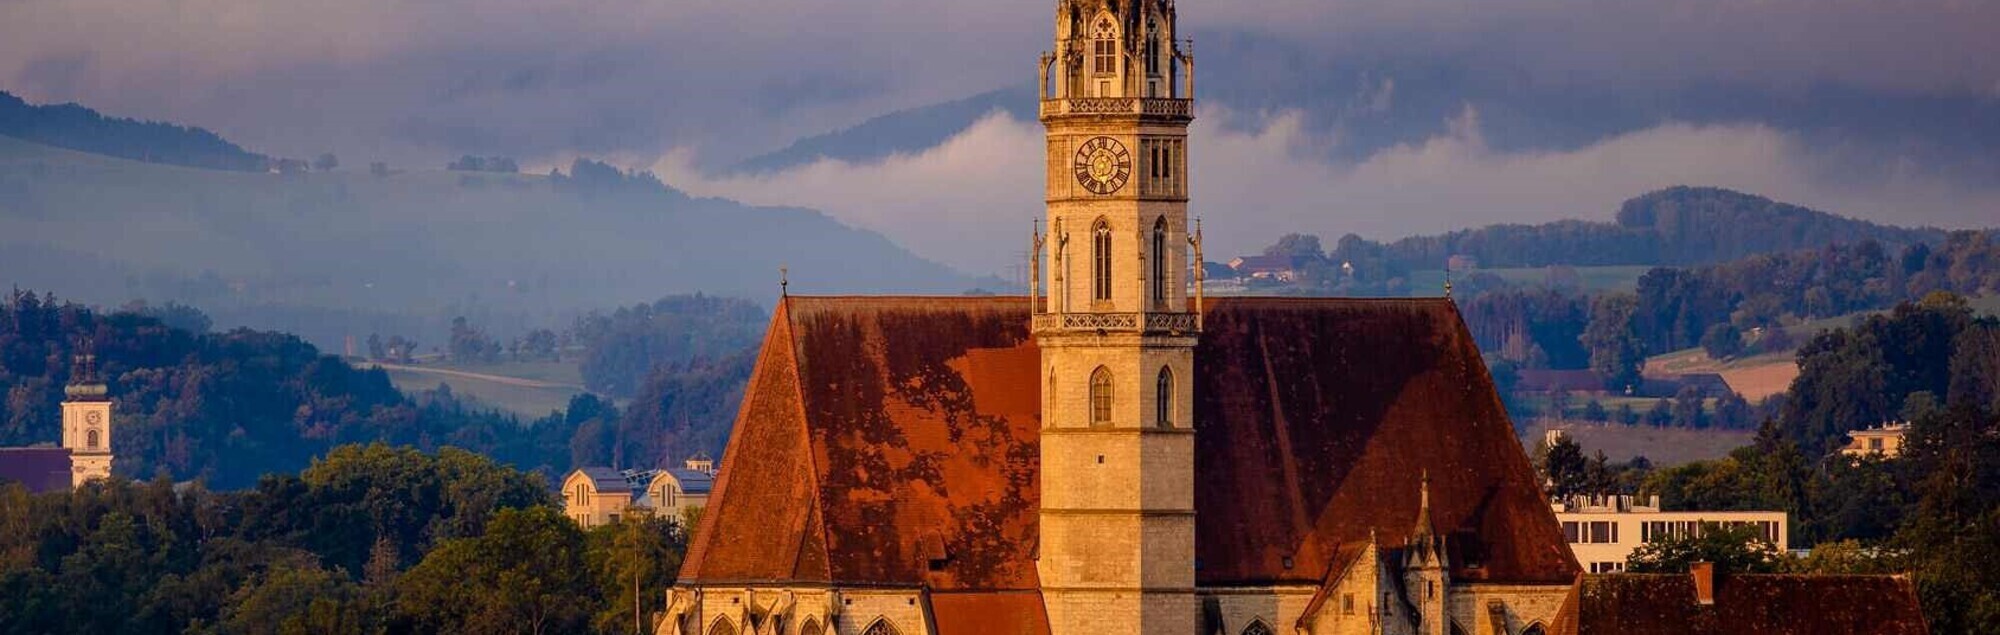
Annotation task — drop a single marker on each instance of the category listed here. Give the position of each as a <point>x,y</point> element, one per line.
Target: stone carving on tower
<point>1116,330</point>
<point>86,422</point>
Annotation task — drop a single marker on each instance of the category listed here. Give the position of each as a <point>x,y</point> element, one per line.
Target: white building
<point>1603,531</point>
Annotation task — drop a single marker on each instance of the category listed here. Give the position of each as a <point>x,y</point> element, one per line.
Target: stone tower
<point>86,421</point>
<point>1116,329</point>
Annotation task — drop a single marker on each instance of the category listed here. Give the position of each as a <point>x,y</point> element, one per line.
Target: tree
<point>1593,410</point>
<point>1733,548</point>
<point>634,561</point>
<point>527,574</point>
<point>1298,248</point>
<point>1565,469</point>
<point>1615,349</point>
<point>1688,408</point>
<point>1722,341</point>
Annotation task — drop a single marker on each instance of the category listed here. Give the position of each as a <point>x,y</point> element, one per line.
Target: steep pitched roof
<point>39,469</point>
<point>1318,418</point>
<point>990,613</point>
<point>1750,604</point>
<point>895,441</point>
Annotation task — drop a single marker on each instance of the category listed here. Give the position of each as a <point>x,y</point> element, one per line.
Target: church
<point>85,454</point>
<point>1117,453</point>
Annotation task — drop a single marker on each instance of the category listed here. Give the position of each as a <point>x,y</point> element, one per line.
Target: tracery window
<point>1104,49</point>
<point>1163,399</point>
<point>880,627</point>
<point>1100,261</point>
<point>91,440</point>
<point>812,627</point>
<point>1535,629</point>
<point>1160,261</point>
<point>1100,397</point>
<point>1257,628</point>
<point>722,626</point>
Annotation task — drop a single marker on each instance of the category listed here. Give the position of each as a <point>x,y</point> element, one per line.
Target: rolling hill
<point>336,254</point>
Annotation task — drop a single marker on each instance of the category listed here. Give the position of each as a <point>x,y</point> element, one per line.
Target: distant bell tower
<point>1116,329</point>
<point>86,421</point>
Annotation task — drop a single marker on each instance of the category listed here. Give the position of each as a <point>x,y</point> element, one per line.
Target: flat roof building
<point>1603,531</point>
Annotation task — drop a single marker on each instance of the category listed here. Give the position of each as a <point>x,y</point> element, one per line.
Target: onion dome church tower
<point>1116,330</point>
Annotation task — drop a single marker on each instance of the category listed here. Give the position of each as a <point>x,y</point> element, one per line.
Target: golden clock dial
<point>93,417</point>
<point>1103,165</point>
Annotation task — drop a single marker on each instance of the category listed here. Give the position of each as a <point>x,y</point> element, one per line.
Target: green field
<point>1430,282</point>
<point>1758,376</point>
<point>1663,446</point>
<point>528,389</point>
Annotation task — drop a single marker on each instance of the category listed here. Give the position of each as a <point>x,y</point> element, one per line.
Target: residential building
<point>1603,531</point>
<point>1885,441</point>
<point>595,496</point>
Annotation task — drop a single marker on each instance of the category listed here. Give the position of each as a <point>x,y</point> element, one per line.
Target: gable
<point>895,441</point>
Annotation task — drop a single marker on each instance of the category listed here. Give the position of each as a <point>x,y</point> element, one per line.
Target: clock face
<point>1103,165</point>
<point>93,417</point>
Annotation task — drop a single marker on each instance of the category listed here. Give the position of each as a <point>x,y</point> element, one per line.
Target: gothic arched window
<point>1100,397</point>
<point>1100,261</point>
<point>812,627</point>
<point>880,627</point>
<point>1152,48</point>
<point>1535,629</point>
<point>1163,399</point>
<point>1104,48</point>
<point>722,626</point>
<point>1258,628</point>
<point>91,439</point>
<point>1160,261</point>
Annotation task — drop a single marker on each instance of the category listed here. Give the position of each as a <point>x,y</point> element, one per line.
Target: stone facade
<point>799,610</point>
<point>1116,316</point>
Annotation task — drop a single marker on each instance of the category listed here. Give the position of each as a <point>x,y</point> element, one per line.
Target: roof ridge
<point>818,515</point>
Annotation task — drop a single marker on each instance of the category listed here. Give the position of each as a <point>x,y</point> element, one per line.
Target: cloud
<point>968,201</point>
<point>424,80</point>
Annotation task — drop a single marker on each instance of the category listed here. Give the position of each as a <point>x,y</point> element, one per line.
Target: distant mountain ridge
<point>74,127</point>
<point>331,255</point>
<point>902,131</point>
<point>1678,226</point>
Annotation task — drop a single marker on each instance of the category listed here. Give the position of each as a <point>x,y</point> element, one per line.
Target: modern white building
<point>1603,531</point>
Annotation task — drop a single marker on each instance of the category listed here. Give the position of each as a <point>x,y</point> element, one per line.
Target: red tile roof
<point>1748,604</point>
<point>995,613</point>
<point>895,441</point>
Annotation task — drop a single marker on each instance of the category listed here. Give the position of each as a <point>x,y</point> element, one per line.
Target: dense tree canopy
<point>370,540</point>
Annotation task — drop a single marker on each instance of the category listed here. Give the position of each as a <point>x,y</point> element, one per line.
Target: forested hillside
<point>78,128</point>
<point>1928,513</point>
<point>1680,226</point>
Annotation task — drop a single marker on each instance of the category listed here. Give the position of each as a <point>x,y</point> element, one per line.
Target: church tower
<point>1116,328</point>
<point>86,423</point>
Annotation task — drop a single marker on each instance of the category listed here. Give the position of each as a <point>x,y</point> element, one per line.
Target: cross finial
<point>784,282</point>
<point>1447,278</point>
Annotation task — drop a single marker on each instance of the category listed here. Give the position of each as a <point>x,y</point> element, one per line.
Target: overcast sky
<point>685,85</point>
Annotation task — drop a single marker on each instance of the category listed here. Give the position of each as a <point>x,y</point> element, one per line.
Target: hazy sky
<point>685,85</point>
